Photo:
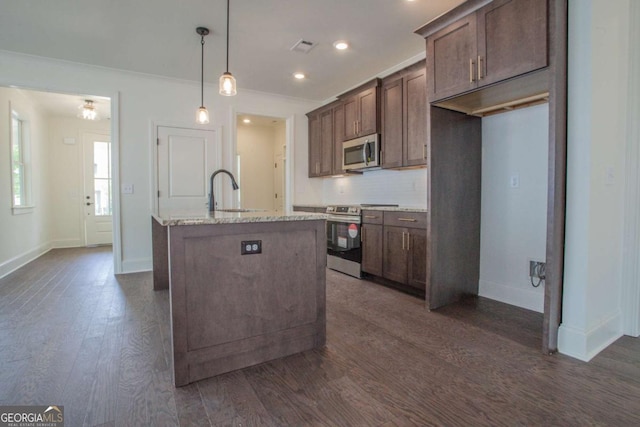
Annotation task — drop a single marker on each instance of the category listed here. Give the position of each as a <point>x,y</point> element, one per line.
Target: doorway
<point>98,189</point>
<point>262,161</point>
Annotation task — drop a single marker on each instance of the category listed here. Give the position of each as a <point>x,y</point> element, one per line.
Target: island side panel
<point>231,311</point>
<point>160,245</point>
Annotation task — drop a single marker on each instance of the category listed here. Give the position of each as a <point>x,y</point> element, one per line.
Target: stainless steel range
<point>344,252</point>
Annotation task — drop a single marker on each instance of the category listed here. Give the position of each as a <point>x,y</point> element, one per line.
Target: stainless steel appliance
<point>361,153</point>
<point>344,252</point>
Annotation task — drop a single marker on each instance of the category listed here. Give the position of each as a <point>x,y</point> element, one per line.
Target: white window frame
<point>24,163</point>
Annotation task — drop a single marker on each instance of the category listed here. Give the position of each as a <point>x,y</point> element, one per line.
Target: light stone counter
<point>394,208</point>
<point>221,217</point>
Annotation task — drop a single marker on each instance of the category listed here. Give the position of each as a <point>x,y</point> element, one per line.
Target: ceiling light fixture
<point>88,110</point>
<point>341,45</point>
<point>227,81</point>
<point>299,76</point>
<point>247,121</point>
<point>202,115</point>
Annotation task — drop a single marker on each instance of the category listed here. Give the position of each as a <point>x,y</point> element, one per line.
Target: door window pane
<point>102,177</point>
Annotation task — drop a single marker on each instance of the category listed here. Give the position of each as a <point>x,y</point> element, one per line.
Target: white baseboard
<point>18,261</point>
<point>585,345</point>
<point>529,299</point>
<point>67,243</point>
<point>137,265</point>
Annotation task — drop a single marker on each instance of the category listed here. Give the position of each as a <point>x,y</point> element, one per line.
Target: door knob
<point>89,203</point>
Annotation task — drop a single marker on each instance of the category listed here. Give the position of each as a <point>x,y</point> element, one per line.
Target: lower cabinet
<point>372,249</point>
<point>405,256</point>
<point>394,247</point>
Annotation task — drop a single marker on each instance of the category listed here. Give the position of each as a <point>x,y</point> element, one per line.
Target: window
<point>20,173</point>
<point>102,177</point>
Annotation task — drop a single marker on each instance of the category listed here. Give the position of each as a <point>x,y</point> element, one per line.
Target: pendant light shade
<point>202,115</point>
<point>88,111</point>
<point>227,84</point>
<point>227,81</point>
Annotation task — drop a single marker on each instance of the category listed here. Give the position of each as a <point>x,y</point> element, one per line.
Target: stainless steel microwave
<point>361,153</point>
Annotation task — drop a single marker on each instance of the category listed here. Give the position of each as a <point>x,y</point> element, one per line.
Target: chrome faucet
<point>212,202</point>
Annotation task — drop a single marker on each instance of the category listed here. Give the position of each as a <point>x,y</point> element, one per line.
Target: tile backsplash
<point>404,187</point>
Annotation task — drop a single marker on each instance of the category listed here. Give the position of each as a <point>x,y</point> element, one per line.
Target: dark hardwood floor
<point>72,333</point>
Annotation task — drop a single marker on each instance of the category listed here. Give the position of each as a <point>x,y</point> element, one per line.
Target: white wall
<point>256,147</point>
<point>144,99</point>
<point>66,180</point>
<point>405,188</point>
<point>24,236</point>
<point>597,100</point>
<point>514,220</point>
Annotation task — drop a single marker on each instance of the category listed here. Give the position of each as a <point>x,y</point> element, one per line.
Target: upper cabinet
<point>361,111</point>
<point>325,143</point>
<point>404,118</point>
<point>504,39</point>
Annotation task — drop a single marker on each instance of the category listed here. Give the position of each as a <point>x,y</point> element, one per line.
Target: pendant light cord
<point>228,36</point>
<point>202,71</point>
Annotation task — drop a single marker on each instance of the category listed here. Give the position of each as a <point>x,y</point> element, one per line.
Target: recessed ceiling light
<point>246,121</point>
<point>341,45</point>
<point>299,76</point>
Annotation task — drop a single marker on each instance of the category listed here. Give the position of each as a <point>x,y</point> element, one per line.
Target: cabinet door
<point>415,114</point>
<point>392,123</point>
<point>451,56</point>
<point>417,262</point>
<point>338,129</point>
<point>368,112</point>
<point>350,118</point>
<point>372,249</point>
<point>326,143</point>
<point>394,260</point>
<point>512,39</point>
<point>314,145</point>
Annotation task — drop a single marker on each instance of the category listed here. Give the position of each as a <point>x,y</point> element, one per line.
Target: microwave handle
<point>366,151</point>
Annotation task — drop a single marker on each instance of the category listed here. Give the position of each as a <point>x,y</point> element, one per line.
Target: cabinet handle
<point>317,167</point>
<point>479,67</point>
<point>408,240</point>
<point>471,80</point>
<point>371,216</point>
<point>355,129</point>
<point>407,219</point>
<point>362,233</point>
<point>424,151</point>
<point>403,240</point>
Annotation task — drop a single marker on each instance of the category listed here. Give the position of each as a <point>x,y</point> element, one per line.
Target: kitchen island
<point>244,287</point>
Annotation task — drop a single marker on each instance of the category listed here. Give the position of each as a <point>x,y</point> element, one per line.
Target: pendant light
<point>88,110</point>
<point>202,115</point>
<point>227,81</point>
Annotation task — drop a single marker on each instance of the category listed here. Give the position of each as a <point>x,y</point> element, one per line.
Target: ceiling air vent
<point>303,46</point>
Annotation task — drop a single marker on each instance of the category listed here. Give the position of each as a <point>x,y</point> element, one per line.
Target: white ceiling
<point>158,37</point>
<point>69,106</point>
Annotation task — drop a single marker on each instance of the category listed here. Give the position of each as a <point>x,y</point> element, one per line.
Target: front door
<point>97,200</point>
<point>186,160</point>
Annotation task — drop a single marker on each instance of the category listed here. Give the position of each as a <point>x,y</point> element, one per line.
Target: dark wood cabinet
<point>394,247</point>
<point>501,40</point>
<point>361,111</point>
<point>372,242</point>
<point>392,106</point>
<point>325,143</point>
<point>372,249</point>
<point>404,118</point>
<point>512,39</point>
<point>338,125</point>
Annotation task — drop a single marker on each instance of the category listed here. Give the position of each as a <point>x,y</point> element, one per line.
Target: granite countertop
<point>221,217</point>
<point>307,205</point>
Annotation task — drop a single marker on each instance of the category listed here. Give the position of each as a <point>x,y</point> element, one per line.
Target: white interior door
<point>186,160</point>
<point>98,222</point>
<point>278,183</point>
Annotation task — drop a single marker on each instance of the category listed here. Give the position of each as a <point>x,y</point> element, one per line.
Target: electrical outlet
<point>514,181</point>
<point>127,188</point>
<point>250,247</point>
<point>537,269</point>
